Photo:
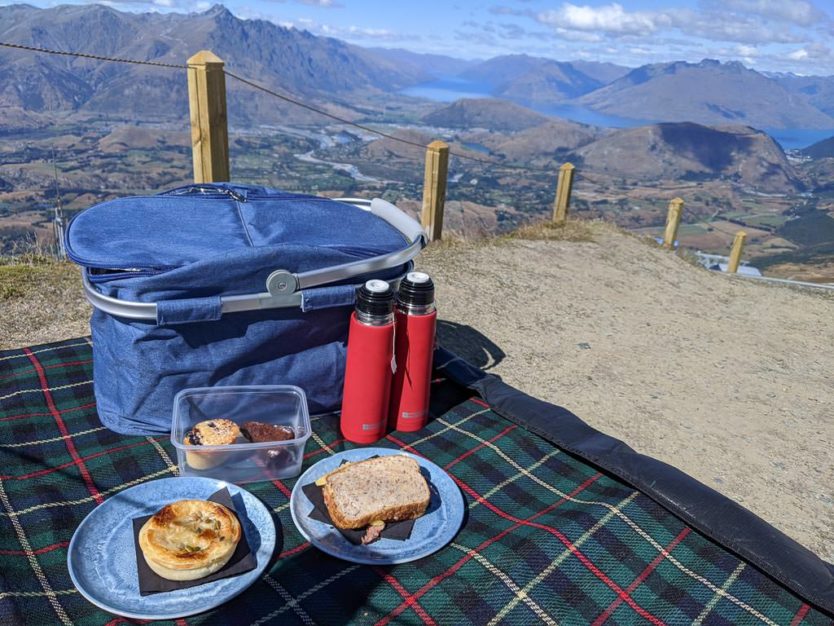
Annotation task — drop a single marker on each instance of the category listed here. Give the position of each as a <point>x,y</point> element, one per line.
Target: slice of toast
<point>386,488</point>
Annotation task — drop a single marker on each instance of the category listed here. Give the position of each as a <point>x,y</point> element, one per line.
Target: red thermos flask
<point>370,360</point>
<point>415,320</point>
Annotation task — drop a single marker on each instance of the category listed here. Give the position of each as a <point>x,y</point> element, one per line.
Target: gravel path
<point>728,380</point>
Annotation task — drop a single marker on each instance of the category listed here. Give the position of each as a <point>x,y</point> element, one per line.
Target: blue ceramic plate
<point>101,557</point>
<point>431,532</point>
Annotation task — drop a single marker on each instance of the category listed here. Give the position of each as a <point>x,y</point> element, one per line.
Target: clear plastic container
<point>242,462</point>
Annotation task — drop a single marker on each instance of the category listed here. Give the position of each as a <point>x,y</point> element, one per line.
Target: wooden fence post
<point>207,105</point>
<point>735,253</point>
<point>434,188</point>
<point>564,185</point>
<point>673,220</point>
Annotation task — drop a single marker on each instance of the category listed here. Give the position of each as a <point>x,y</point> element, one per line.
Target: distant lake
<point>796,138</point>
<point>454,88</point>
<point>584,115</point>
<point>448,90</point>
<point>476,147</point>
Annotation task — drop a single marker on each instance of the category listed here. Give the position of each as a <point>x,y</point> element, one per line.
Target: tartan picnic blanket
<point>546,538</point>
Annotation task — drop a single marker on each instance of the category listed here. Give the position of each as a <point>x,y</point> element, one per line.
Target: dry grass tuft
<point>40,300</point>
<point>449,241</point>
<point>21,276</point>
<point>690,257</point>
<point>572,230</point>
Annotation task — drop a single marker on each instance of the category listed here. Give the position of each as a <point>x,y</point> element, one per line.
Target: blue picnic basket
<point>226,284</point>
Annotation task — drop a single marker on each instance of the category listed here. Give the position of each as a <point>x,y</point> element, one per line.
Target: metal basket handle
<point>284,288</point>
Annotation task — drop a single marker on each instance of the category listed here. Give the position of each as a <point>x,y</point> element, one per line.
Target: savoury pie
<point>189,539</point>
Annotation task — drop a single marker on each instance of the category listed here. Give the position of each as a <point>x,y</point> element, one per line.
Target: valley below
<point>498,180</point>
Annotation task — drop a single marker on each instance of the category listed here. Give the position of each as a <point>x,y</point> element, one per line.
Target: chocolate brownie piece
<point>259,431</point>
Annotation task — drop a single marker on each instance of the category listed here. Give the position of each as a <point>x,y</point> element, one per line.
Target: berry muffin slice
<point>216,432</point>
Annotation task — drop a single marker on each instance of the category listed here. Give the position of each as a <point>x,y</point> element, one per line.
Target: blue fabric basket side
<point>139,368</point>
<point>228,248</point>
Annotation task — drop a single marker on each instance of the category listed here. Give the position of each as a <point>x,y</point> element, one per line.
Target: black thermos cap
<point>375,297</point>
<point>416,289</point>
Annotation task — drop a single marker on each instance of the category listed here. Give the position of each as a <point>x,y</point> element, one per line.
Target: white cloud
<point>325,4</point>
<point>502,10</point>
<point>734,27</point>
<point>610,19</point>
<point>348,33</point>
<point>322,4</point>
<point>800,12</point>
<point>371,33</point>
<point>747,54</point>
<point>576,35</point>
<point>811,52</point>
<point>746,23</point>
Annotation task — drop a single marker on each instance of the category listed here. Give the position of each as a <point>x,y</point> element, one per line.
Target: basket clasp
<point>281,283</point>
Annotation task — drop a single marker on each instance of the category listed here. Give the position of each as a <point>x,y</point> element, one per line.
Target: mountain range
<point>708,92</point>
<point>288,59</point>
<point>345,78</point>
<point>541,81</point>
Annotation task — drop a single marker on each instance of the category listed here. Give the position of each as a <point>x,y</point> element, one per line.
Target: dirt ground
<point>729,380</point>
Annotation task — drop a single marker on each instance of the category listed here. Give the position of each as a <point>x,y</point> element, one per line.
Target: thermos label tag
<point>412,415</point>
<point>394,351</point>
<point>375,426</point>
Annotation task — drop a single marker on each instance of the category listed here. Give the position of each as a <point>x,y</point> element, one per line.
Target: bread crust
<point>398,471</point>
<point>189,539</point>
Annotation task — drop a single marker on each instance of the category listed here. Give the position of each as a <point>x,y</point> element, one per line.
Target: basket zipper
<point>120,273</point>
<point>206,191</point>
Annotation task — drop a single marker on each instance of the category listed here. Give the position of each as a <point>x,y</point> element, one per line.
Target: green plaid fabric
<point>546,538</point>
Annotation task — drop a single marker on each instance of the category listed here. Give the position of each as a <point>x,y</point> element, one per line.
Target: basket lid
<point>198,222</point>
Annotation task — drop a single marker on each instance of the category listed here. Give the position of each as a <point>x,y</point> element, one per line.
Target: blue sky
<point>773,35</point>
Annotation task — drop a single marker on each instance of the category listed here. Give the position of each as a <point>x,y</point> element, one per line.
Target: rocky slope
<point>686,151</point>
<point>496,115</point>
<point>821,149</point>
<point>818,89</point>
<point>554,139</point>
